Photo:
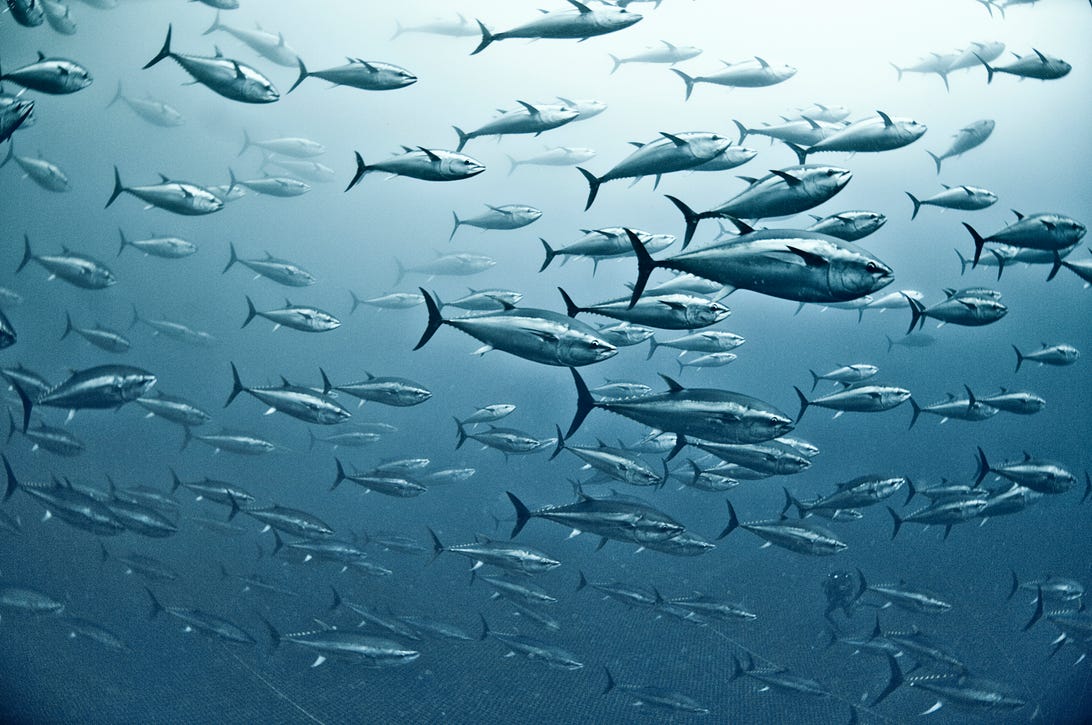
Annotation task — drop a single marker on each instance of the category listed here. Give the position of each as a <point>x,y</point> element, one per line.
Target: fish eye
<point>872,267</point>
<point>830,172</point>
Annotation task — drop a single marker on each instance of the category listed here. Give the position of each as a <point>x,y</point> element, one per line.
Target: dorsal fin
<point>673,138</point>
<point>886,119</point>
<point>1041,56</point>
<point>749,179</point>
<point>530,109</point>
<point>762,62</point>
<point>371,68</point>
<point>41,56</point>
<point>1019,216</point>
<point>672,385</point>
<point>431,155</point>
<point>811,123</point>
<point>580,6</point>
<point>789,178</point>
<point>669,45</point>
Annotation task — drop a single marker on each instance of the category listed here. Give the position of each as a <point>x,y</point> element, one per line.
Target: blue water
<point>1035,161</point>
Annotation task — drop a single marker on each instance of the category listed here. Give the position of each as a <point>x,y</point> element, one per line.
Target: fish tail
<point>463,138</point>
<point>437,547</point>
<point>585,403</point>
<point>251,312</point>
<point>136,317</point>
<point>1015,585</point>
<point>274,635</point>
<point>118,188</point>
<point>117,96</point>
<point>583,582</point>
<point>893,683</point>
<point>11,426</point>
<point>340,474</point>
<point>593,186</point>
<point>743,130</point>
<point>801,153</point>
<point>688,80</point>
<point>246,144</point>
<point>27,254</point>
<point>814,379</point>
<point>550,254</point>
<point>28,404</point>
<point>917,205</point>
<point>890,343</point>
<point>571,308</point>
<point>990,70</point>
<point>156,606</point>
<point>215,24</point>
<point>461,433</point>
<point>963,262</point>
<point>512,164</point>
<point>361,169</point>
<point>523,515</point>
<point>911,490</point>
<point>236,385</point>
<point>301,77</point>
<point>337,599</point>
<point>311,440</point>
<point>617,63</point>
<point>936,160</point>
<point>1038,609</point>
<point>560,443</point>
<point>327,386</point>
<point>434,317</point>
<point>164,52</point>
<point>1056,266</point>
<point>356,301</point>
<point>175,480</point>
<point>1019,358</point>
<point>679,362</point>
<point>233,258</point>
<point>487,38</point>
<point>983,467</point>
<point>791,501</point>
<point>398,29</point>
<point>610,680</point>
<point>733,522</point>
<point>897,520</point>
<point>690,216</point>
<point>456,227</point>
<point>652,347</point>
<point>1000,262</point>
<point>917,314</point>
<point>645,265</point>
<point>804,402</point>
<point>12,481</point>
<point>917,412</point>
<point>67,325</point>
<point>124,242</point>
<point>897,70</point>
<point>278,543</point>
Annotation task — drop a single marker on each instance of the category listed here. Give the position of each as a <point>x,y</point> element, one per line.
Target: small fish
<point>224,76</point>
<point>55,76</point>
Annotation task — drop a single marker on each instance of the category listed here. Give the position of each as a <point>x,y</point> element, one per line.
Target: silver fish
<point>229,78</point>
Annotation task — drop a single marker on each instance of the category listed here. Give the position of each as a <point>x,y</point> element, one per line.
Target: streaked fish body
<point>803,537</point>
<point>77,269</point>
<point>45,174</point>
<point>581,23</point>
<point>224,76</point>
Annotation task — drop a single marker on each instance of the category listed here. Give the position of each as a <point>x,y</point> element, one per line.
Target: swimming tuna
<point>76,269</point>
<point>180,197</point>
<point>149,109</point>
<point>581,23</point>
<point>967,138</point>
<point>755,73</point>
<point>229,78</point>
<point>421,163</point>
<point>44,173</point>
<point>55,76</point>
<point>367,75</point>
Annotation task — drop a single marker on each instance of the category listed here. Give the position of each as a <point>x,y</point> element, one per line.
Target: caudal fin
<point>804,402</point>
<point>463,138</point>
<point>118,188</point>
<point>743,130</point>
<point>983,468</point>
<point>340,476</point>
<point>593,186</point>
<point>251,312</point>
<point>990,70</point>
<point>361,169</point>
<point>28,404</point>
<point>801,152</point>
<point>461,433</point>
<point>733,521</point>
<point>550,254</point>
<point>455,228</point>
<point>1019,358</point>
<point>690,216</point>
<point>652,347</point>
<point>814,379</point>
<point>523,514</point>
<point>917,412</point>
<point>215,25</point>
<point>12,481</point>
<point>487,38</point>
<point>585,403</point>
<point>917,206</point>
<point>1056,266</point>
<point>936,160</point>
<point>434,319</point>
<point>246,143</point>
<point>236,385</point>
<point>67,325</point>
<point>27,254</point>
<point>164,52</point>
<point>233,258</point>
<point>688,80</point>
<point>897,520</point>
<point>645,265</point>
<point>893,683</point>
<point>917,314</point>
<point>117,96</point>
<point>301,77</point>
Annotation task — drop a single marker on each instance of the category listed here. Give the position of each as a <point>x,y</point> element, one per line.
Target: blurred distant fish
<point>583,23</point>
<point>966,198</point>
<point>663,53</point>
<point>860,398</point>
<point>45,174</point>
<point>55,76</point>
<point>280,271</point>
<point>528,119</point>
<point>269,45</point>
<point>246,444</point>
<point>298,402</point>
<point>966,139</point>
<point>397,392</point>
<point>421,163</point>
<point>458,28</point>
<point>870,135</point>
<point>296,317</point>
<point>180,197</point>
<point>196,620</point>
<point>175,409</point>
<point>154,112</point>
<point>59,16</point>
<point>310,170</point>
<point>803,537</point>
<point>1040,66</point>
<point>174,330</point>
<point>229,78</point>
<point>558,156</point>
<point>102,386</point>
<point>802,131</point>
<point>55,440</point>
<point>99,336</point>
<point>849,226</point>
<point>393,301</point>
<point>165,247</point>
<point>969,311</point>
<point>300,148</point>
<point>282,186</point>
<point>1057,355</point>
<point>755,73</point>
<point>27,13</point>
<point>509,216</point>
<point>605,243</point>
<point>358,73</point>
<point>76,269</point>
<point>481,299</point>
<point>1044,231</point>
